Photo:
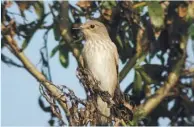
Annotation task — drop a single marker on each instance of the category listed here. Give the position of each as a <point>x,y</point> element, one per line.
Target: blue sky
<point>20,91</point>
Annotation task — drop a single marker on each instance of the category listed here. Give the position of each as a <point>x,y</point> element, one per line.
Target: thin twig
<point>55,92</point>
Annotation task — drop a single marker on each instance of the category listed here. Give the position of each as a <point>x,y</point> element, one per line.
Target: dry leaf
<point>182,11</point>
<point>23,5</point>
<point>84,4</point>
<point>165,5</point>
<point>191,9</point>
<point>8,4</point>
<point>169,21</point>
<point>107,13</point>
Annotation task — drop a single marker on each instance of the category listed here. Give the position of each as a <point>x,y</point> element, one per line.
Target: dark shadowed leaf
<point>27,41</point>
<point>161,57</point>
<point>188,105</point>
<point>24,44</point>
<point>64,56</point>
<point>9,61</point>
<point>137,86</point>
<point>39,8</point>
<point>191,31</point>
<point>3,42</point>
<point>55,49</point>
<point>153,72</point>
<point>128,88</point>
<point>51,122</point>
<point>42,105</point>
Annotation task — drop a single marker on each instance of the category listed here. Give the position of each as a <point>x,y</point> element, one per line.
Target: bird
<point>100,57</point>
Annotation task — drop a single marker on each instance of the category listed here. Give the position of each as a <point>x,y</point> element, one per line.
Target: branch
<point>140,51</point>
<point>150,104</point>
<point>64,27</point>
<point>128,66</point>
<point>54,91</point>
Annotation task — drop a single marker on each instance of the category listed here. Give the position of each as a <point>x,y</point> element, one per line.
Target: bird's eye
<point>92,26</point>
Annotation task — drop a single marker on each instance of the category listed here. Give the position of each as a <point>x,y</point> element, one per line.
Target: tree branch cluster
<point>147,39</point>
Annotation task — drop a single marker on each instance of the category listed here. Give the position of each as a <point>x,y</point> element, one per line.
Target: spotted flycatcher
<point>100,56</point>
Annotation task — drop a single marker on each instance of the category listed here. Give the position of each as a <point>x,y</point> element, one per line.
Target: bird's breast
<point>99,59</point>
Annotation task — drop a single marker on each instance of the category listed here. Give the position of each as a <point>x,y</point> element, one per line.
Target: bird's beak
<point>78,28</point>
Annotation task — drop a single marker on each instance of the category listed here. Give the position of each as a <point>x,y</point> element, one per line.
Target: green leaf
<point>64,56</point>
<point>39,8</point>
<point>156,14</point>
<point>140,59</point>
<point>55,49</point>
<point>161,57</point>
<point>152,73</point>
<point>131,123</point>
<point>27,41</point>
<point>137,86</point>
<point>24,44</point>
<point>146,77</point>
<point>31,31</point>
<point>119,41</point>
<point>191,31</point>
<point>108,4</point>
<point>113,3</point>
<point>190,14</point>
<point>3,42</point>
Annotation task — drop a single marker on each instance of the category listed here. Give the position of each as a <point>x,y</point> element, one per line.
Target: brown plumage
<point>100,56</point>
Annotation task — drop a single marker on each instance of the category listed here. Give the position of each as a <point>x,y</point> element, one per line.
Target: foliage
<point>140,36</point>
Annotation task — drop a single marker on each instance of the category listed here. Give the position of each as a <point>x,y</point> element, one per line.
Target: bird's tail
<point>103,108</point>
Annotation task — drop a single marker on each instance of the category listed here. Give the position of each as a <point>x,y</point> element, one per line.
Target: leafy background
<point>19,94</point>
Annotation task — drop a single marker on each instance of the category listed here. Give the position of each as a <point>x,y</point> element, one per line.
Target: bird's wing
<point>81,61</point>
<point>116,57</point>
<point>118,96</point>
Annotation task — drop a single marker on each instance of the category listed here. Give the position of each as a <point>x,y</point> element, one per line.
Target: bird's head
<point>94,29</point>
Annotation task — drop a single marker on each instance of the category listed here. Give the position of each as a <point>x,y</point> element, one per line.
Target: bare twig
<point>54,91</point>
